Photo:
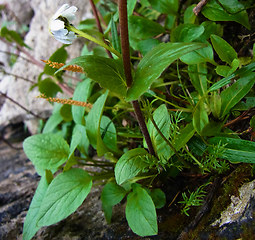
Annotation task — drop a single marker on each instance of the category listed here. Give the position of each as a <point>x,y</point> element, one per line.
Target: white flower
<point>57,24</point>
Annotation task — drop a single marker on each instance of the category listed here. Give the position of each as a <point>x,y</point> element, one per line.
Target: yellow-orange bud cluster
<point>73,68</point>
<point>66,101</point>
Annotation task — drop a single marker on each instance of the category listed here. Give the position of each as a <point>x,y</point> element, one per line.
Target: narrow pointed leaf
<point>236,150</point>
<point>225,51</point>
<point>154,63</point>
<point>94,118</point>
<point>162,120</point>
<point>233,94</point>
<point>81,93</point>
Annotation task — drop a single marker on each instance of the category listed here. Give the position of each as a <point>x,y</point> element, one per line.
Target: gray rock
<point>43,45</point>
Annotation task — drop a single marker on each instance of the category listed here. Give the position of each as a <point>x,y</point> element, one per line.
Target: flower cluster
<point>58,23</point>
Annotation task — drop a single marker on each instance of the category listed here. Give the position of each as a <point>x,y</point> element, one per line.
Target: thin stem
<point>93,6</point>
<point>125,41</point>
<point>143,127</point>
<point>89,37</point>
<point>35,115</point>
<point>127,70</point>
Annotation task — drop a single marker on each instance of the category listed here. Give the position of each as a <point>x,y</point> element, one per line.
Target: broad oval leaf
<point>48,87</point>
<point>64,195</point>
<point>155,62</point>
<point>141,213</point>
<point>109,73</point>
<point>111,195</point>
<point>158,197</point>
<point>233,94</point>
<point>46,151</point>
<point>130,164</point>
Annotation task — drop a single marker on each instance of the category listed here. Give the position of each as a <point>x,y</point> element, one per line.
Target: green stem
<point>90,38</point>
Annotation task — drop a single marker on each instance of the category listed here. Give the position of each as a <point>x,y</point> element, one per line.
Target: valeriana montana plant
<point>151,101</point>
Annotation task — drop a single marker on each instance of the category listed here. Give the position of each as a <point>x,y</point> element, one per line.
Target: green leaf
<point>46,151</point>
<point>83,145</point>
<point>233,94</point>
<point>111,195</point>
<point>187,32</point>
<point>54,120</point>
<point>241,72</point>
<point>236,150</point>
<point>154,63</point>
<point>189,16</point>
<point>81,93</point>
<point>200,116</point>
<point>158,197</point>
<point>165,6</point>
<point>146,45</point>
<point>108,133</point>
<point>115,36</point>
<point>223,49</point>
<point>226,71</point>
<point>199,56</point>
<point>215,104</point>
<point>48,87</point>
<point>94,118</point>
<point>30,228</point>
<point>162,120</point>
<point>141,28</point>
<point>131,6</point>
<point>66,112</point>
<point>184,136</point>
<point>64,195</point>
<point>198,77</point>
<point>107,72</point>
<point>232,6</point>
<point>141,213</point>
<point>130,164</point>
<point>60,56</point>
<point>12,36</point>
<point>215,12</point>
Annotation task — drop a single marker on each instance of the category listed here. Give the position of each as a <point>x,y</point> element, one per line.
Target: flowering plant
<point>58,21</point>
<point>124,110</point>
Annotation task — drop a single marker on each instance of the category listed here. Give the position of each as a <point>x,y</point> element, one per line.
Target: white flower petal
<point>60,11</point>
<point>56,25</point>
<point>69,13</point>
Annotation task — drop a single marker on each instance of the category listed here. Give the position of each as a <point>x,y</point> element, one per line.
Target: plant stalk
<point>127,69</point>
<point>93,6</point>
<point>91,38</point>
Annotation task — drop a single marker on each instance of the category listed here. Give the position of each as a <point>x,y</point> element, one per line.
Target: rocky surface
<point>36,13</point>
<point>231,215</point>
